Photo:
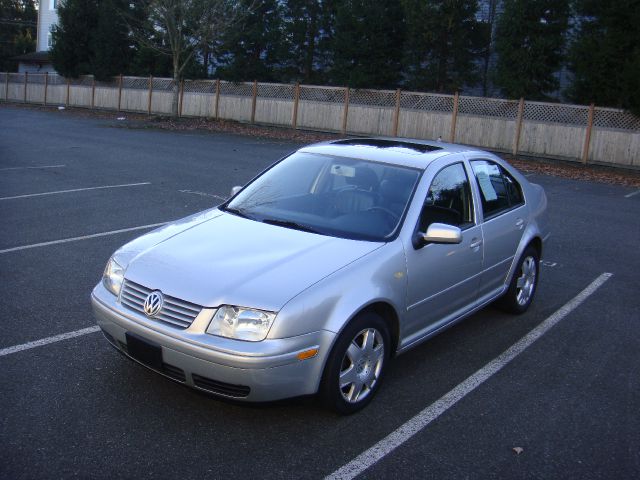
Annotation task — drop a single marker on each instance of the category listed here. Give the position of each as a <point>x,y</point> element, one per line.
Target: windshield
<point>329,195</point>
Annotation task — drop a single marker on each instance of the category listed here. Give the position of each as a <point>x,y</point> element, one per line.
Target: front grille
<point>174,312</point>
<point>221,388</point>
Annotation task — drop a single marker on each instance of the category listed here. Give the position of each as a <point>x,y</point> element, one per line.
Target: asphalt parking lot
<point>72,190</point>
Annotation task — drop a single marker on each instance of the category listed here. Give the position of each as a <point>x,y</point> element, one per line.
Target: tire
<point>356,364</point>
<point>523,285</point>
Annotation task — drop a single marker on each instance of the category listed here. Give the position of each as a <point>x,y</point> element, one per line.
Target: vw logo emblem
<point>153,303</point>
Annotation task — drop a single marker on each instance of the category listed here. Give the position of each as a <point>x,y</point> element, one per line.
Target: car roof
<point>408,152</point>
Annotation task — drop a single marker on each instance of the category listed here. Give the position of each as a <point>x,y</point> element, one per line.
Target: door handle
<point>475,243</point>
<point>519,223</point>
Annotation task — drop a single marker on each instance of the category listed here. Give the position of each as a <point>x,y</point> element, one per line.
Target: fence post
<point>26,82</point>
<point>253,101</point>
<point>119,92</point>
<point>150,94</point>
<point>454,118</point>
<point>587,137</point>
<point>396,113</point>
<point>68,89</point>
<point>296,101</point>
<point>6,87</point>
<point>93,91</point>
<point>181,97</point>
<point>516,136</point>
<point>217,96</point>
<point>346,111</point>
<point>46,87</point>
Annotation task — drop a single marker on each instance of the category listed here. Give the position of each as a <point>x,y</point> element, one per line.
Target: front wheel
<point>356,364</point>
<point>523,285</point>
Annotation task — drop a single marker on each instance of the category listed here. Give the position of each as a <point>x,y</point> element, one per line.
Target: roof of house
<point>34,57</point>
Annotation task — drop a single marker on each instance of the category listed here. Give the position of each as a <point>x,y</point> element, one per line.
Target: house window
<point>53,4</point>
<point>49,40</point>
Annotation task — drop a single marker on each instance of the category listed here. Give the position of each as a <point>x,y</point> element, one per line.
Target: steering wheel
<point>392,216</point>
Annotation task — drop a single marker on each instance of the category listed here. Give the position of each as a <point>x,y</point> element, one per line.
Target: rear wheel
<point>356,364</point>
<point>523,285</point>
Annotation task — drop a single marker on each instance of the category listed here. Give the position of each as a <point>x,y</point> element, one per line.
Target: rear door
<point>504,217</point>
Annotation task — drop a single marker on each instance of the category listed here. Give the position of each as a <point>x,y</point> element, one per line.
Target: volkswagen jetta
<point>311,277</point>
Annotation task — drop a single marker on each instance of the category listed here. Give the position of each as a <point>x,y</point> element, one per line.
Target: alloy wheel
<point>361,365</point>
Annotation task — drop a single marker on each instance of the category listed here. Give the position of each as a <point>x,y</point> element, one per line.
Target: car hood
<point>226,259</point>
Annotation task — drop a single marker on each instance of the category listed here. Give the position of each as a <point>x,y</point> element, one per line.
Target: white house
<point>47,18</point>
<point>38,61</point>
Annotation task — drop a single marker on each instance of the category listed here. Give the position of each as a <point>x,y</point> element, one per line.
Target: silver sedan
<point>311,277</point>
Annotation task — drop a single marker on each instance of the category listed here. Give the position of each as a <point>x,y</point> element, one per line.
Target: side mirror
<point>235,190</point>
<point>440,233</point>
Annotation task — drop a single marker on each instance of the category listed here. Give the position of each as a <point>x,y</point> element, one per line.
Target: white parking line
<point>84,237</point>
<point>203,194</point>
<point>47,341</point>
<point>39,166</point>
<point>433,411</point>
<point>632,194</point>
<point>75,190</point>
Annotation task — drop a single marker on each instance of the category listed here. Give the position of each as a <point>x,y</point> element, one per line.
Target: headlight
<point>113,276</point>
<point>241,323</point>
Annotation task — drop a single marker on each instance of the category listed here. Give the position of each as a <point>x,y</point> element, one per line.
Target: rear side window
<point>499,191</point>
<point>513,189</point>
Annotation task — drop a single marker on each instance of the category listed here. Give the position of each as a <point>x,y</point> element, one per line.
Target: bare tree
<point>180,28</point>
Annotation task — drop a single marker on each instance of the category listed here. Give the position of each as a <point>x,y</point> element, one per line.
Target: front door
<point>443,279</point>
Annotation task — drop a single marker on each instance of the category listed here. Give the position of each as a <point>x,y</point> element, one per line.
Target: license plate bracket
<point>144,351</point>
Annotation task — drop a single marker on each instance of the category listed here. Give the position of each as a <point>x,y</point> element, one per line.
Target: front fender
<point>331,303</point>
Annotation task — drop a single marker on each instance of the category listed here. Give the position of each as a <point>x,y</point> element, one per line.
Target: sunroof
<point>383,143</point>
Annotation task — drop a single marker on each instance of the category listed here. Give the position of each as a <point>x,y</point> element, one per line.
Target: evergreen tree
<point>110,45</point>
<point>301,30</point>
<point>71,52</point>
<point>147,58</point>
<point>252,50</point>
<point>91,37</point>
<point>530,42</point>
<point>487,25</point>
<point>605,55</point>
<point>17,31</point>
<point>368,43</point>
<point>444,40</point>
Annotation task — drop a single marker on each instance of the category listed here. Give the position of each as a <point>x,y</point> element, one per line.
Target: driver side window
<point>449,199</point>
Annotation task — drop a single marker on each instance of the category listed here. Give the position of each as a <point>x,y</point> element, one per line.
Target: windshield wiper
<point>290,224</point>
<point>238,212</point>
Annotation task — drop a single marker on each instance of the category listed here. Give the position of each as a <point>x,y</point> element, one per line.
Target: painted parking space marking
<point>84,237</point>
<point>549,264</point>
<point>47,341</point>
<point>431,413</point>
<point>632,194</point>
<point>34,167</point>
<point>75,190</point>
<point>203,194</point>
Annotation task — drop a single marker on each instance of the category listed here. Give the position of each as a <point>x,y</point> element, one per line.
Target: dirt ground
<point>545,166</point>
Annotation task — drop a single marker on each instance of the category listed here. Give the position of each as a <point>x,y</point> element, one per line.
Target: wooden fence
<point>586,134</point>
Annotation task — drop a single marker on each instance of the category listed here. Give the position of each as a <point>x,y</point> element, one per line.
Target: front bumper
<point>250,371</point>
